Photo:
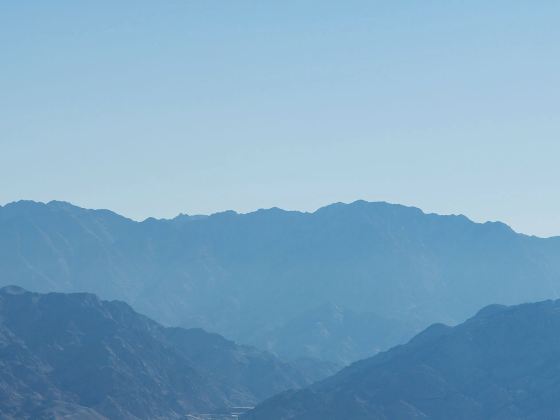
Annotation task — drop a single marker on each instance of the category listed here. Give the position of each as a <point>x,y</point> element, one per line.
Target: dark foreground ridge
<point>76,356</point>
<point>502,364</point>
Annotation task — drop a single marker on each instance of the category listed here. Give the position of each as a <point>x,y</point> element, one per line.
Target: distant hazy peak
<point>490,310</point>
<point>12,290</point>
<point>358,205</point>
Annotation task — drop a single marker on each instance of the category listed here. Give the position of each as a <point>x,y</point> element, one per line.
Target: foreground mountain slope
<point>504,363</point>
<point>76,354</point>
<point>249,276</point>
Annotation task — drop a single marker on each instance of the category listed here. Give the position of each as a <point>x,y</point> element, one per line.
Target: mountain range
<point>313,279</point>
<point>74,356</point>
<point>502,364</point>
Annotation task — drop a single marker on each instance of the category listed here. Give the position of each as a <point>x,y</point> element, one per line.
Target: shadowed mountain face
<point>74,355</point>
<point>333,333</point>
<point>502,364</point>
<point>256,276</point>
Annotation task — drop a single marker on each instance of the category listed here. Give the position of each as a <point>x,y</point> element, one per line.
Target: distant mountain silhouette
<point>256,276</point>
<point>502,364</point>
<point>75,356</point>
<point>333,333</point>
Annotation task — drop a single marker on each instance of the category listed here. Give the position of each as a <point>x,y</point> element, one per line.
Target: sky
<point>154,108</point>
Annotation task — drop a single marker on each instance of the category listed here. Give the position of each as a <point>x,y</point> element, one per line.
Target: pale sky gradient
<point>151,108</point>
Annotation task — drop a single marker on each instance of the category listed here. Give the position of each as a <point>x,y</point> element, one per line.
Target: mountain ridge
<point>89,354</point>
<point>61,204</point>
<point>502,363</point>
<point>245,275</point>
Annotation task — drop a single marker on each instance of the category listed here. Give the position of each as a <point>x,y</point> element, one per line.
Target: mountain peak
<point>236,274</point>
<point>135,367</point>
<point>501,368</point>
<point>490,310</point>
<point>64,205</point>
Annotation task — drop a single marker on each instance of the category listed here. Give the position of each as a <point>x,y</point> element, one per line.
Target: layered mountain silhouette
<point>331,332</point>
<point>75,356</point>
<point>254,277</point>
<point>502,364</point>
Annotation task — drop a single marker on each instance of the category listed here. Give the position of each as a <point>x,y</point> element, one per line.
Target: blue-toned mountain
<point>254,276</point>
<point>75,355</point>
<point>502,364</point>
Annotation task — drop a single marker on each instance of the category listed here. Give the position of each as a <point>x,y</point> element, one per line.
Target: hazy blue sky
<point>159,107</point>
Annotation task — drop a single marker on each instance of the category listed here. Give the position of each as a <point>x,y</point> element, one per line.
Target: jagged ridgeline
<point>298,284</point>
<point>75,356</point>
<point>502,364</point>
